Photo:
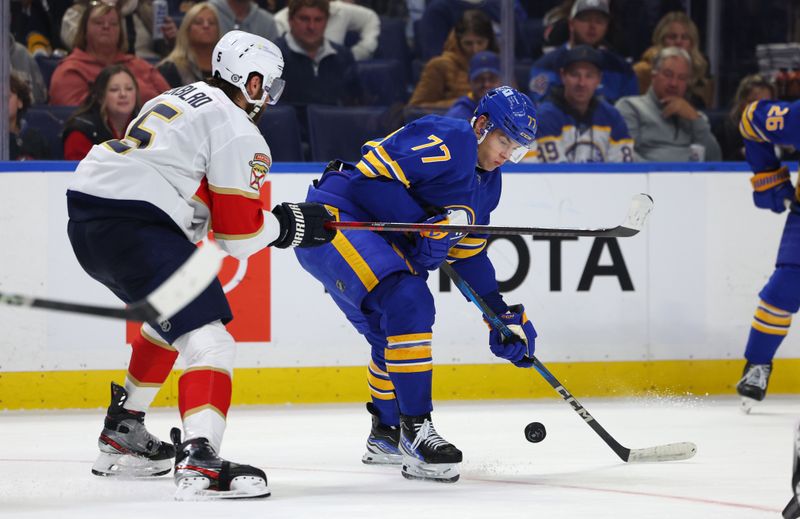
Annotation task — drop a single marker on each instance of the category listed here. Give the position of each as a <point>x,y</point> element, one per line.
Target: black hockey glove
<point>302,225</point>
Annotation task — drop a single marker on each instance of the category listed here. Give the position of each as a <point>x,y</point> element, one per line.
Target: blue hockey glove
<point>430,248</point>
<point>520,349</point>
<point>770,189</point>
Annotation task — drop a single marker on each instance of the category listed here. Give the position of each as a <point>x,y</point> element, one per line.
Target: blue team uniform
<point>425,166</point>
<point>763,125</point>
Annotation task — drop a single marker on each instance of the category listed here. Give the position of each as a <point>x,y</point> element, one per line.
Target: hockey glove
<point>302,225</point>
<point>430,247</point>
<point>519,350</point>
<point>771,188</point>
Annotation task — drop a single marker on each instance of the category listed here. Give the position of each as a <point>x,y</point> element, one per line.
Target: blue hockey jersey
<point>765,124</point>
<point>419,169</point>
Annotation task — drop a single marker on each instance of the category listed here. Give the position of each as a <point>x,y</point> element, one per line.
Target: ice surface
<point>312,454</point>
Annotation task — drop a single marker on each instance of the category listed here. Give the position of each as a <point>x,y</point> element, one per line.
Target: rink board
<point>666,310</point>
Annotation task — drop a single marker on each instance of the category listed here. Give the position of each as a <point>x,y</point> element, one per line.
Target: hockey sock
<point>383,397</point>
<point>150,365</point>
<point>410,367</point>
<point>770,326</point>
<point>204,396</point>
<point>204,389</point>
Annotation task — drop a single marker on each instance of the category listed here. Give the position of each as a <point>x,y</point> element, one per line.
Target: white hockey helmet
<point>238,55</point>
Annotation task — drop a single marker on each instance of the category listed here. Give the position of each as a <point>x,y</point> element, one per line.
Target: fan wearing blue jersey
<point>434,170</point>
<point>763,125</point>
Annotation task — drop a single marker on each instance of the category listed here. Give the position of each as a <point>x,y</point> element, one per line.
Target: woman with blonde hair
<point>190,60</point>
<point>676,29</point>
<point>754,87</point>
<point>100,41</point>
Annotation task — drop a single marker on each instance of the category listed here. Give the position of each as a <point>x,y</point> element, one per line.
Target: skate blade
<point>243,487</point>
<point>380,458</point>
<point>439,472</point>
<point>128,466</point>
<point>792,510</point>
<point>747,404</point>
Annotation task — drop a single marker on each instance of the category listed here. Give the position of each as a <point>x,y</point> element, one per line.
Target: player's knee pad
<point>405,302</point>
<point>210,346</point>
<point>783,289</point>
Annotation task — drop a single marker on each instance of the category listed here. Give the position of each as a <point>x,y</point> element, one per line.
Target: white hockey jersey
<point>195,155</point>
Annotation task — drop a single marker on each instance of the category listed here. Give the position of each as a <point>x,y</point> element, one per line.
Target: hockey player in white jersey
<point>192,161</point>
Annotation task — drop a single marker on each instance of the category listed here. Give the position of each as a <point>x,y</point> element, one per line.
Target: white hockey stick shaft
<point>169,298</point>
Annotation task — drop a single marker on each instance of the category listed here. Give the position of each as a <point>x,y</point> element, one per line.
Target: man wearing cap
<point>588,24</point>
<point>484,75</point>
<point>574,124</point>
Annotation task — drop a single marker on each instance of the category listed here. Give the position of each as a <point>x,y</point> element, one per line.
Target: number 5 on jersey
<point>139,134</point>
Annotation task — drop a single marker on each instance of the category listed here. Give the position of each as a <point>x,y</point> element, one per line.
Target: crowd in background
<point>613,80</point>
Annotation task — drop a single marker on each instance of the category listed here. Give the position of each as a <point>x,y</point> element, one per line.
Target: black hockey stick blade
<point>640,207</point>
<point>169,298</point>
<point>667,452</point>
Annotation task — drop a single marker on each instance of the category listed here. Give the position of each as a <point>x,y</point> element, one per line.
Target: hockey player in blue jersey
<point>763,125</point>
<point>434,170</point>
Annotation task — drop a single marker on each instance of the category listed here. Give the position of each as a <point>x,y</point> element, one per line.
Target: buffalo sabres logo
<point>259,167</point>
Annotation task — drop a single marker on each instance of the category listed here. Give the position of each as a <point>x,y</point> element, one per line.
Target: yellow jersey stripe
<point>410,368</point>
<point>355,261</point>
<point>769,318</point>
<point>377,165</point>
<point>416,352</point>
<point>396,169</point>
<point>774,309</point>
<point>379,383</point>
<point>365,170</point>
<point>459,253</point>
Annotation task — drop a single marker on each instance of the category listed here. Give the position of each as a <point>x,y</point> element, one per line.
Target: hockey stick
<point>640,207</point>
<point>165,301</point>
<point>668,452</point>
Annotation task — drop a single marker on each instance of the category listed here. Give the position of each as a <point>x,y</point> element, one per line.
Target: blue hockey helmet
<point>513,113</point>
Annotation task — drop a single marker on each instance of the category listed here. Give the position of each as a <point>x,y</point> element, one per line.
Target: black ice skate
<point>382,442</point>
<point>426,455</point>
<point>202,475</point>
<point>126,447</point>
<point>753,385</point>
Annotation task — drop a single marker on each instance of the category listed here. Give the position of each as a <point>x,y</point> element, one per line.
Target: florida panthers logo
<point>259,167</point>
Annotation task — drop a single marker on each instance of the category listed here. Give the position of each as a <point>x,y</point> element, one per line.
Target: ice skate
<point>202,475</point>
<point>792,510</point>
<point>426,455</point>
<point>753,385</point>
<point>382,442</point>
<point>126,447</point>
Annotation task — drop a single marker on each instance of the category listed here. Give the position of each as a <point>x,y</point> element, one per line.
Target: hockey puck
<point>535,432</point>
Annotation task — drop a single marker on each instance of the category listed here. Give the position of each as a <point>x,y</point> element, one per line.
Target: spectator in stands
<point>588,24</point>
<point>665,127</point>
<point>574,124</point>
<point>32,26</point>
<point>345,17</point>
<point>440,16</point>
<point>137,20</point>
<point>190,60</point>
<point>676,29</point>
<point>318,70</point>
<point>25,143</point>
<point>751,88</point>
<point>99,42</point>
<point>484,75</point>
<point>104,115</point>
<point>444,78</point>
<point>245,15</point>
<point>25,67</point>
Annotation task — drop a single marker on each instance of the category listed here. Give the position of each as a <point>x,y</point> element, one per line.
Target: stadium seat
<point>281,129</point>
<point>339,131</point>
<point>47,65</point>
<point>412,113</point>
<point>392,44</point>
<point>49,121</point>
<point>382,81</point>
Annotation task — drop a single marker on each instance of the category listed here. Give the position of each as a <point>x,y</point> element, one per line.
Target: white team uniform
<point>195,155</point>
